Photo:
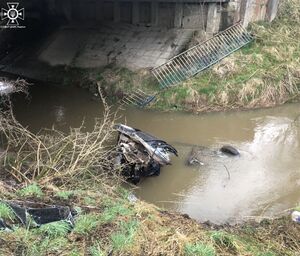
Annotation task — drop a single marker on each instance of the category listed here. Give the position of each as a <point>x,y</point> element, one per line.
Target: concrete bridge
<point>131,33</point>
<point>209,15</point>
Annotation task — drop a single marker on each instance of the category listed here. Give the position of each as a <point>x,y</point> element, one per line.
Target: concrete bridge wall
<point>208,15</point>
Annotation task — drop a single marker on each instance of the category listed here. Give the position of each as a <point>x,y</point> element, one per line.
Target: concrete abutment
<point>210,15</point>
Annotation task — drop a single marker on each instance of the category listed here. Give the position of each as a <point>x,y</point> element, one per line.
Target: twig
<point>227,171</point>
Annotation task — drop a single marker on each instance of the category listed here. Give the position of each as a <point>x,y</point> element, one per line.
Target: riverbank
<point>111,224</point>
<point>75,170</point>
<point>265,73</point>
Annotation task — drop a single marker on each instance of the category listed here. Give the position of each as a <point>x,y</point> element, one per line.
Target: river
<point>263,181</point>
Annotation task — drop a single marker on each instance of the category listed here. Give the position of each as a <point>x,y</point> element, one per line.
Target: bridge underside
<point>170,14</point>
<point>130,33</point>
<point>121,44</point>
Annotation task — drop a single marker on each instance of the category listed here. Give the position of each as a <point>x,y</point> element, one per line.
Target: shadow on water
<point>264,180</point>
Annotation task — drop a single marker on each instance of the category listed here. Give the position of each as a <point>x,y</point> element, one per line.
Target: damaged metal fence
<point>202,56</point>
<point>138,98</point>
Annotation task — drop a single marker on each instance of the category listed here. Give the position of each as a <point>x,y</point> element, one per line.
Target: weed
<point>55,229</point>
<point>110,213</point>
<point>85,223</point>
<point>119,241</point>
<point>65,194</point>
<point>89,200</point>
<point>124,238</point>
<point>6,213</point>
<point>208,90</point>
<point>78,210</point>
<point>224,240</point>
<point>47,246</point>
<point>32,190</point>
<point>21,233</point>
<point>75,252</point>
<point>96,250</point>
<point>265,254</point>
<point>124,193</point>
<point>199,249</point>
<point>129,227</point>
<point>297,208</point>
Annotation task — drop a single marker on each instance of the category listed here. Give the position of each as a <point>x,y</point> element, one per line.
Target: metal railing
<point>138,98</point>
<point>200,57</point>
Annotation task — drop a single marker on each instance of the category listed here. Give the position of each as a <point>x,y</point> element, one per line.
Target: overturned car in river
<point>141,154</point>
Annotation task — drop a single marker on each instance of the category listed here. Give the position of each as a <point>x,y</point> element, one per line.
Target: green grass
<point>266,254</point>
<point>208,90</point>
<point>75,252</point>
<point>224,240</point>
<point>65,195</point>
<point>123,192</point>
<point>119,241</point>
<point>297,208</point>
<point>119,209</point>
<point>6,213</point>
<point>89,200</point>
<point>32,190</point>
<point>86,223</point>
<point>199,249</point>
<point>125,237</point>
<point>33,242</point>
<point>55,229</point>
<point>47,246</point>
<point>96,250</point>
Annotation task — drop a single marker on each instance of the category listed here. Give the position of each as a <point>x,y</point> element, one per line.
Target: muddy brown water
<point>263,181</point>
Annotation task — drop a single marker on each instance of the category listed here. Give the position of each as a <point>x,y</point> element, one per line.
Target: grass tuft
<point>32,190</point>
<point>55,229</point>
<point>111,212</point>
<point>86,223</point>
<point>47,246</point>
<point>199,249</point>
<point>125,237</point>
<point>224,240</point>
<point>96,250</point>
<point>6,213</point>
<point>65,195</point>
<point>297,208</point>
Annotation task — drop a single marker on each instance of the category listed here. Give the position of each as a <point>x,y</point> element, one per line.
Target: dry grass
<point>117,82</point>
<point>13,86</point>
<point>52,156</point>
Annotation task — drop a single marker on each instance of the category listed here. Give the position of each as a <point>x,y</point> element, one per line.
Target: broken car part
<point>140,153</point>
<point>40,216</point>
